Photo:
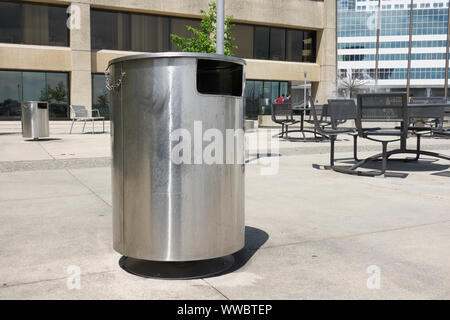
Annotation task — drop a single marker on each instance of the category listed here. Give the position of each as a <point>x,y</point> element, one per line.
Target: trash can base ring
<point>176,270</point>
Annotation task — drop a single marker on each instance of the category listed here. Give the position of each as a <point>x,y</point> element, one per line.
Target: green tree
<point>58,94</point>
<point>103,99</point>
<point>204,39</point>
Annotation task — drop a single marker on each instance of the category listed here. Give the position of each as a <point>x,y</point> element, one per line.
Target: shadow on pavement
<point>164,270</point>
<point>254,239</point>
<point>42,139</point>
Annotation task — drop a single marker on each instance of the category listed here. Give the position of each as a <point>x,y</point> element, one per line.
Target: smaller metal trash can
<point>35,120</point>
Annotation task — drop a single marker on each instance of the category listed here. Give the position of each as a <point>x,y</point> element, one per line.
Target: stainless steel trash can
<point>35,119</point>
<point>164,210</point>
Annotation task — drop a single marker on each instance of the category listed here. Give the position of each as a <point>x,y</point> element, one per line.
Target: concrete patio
<point>311,233</point>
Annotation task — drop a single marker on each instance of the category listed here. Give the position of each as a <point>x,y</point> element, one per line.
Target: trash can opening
<point>219,77</point>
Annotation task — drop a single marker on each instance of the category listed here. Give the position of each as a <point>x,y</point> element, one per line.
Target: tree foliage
<point>204,39</point>
<point>58,94</point>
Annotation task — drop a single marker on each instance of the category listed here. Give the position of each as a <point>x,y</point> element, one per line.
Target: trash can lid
<point>210,56</point>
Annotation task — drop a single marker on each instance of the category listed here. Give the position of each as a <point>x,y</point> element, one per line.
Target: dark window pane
<point>10,19</point>
<point>251,108</point>
<point>160,34</point>
<point>275,91</point>
<point>35,24</point>
<point>243,35</point>
<point>18,86</point>
<point>249,89</point>
<point>58,31</point>
<point>10,93</point>
<point>267,95</point>
<point>309,47</point>
<point>34,88</point>
<point>100,95</point>
<point>31,23</point>
<point>219,77</point>
<point>149,33</point>
<point>284,88</point>
<point>261,44</point>
<point>104,30</point>
<point>178,27</point>
<point>294,45</point>
<point>58,94</point>
<point>277,44</point>
<point>259,94</point>
<point>123,31</point>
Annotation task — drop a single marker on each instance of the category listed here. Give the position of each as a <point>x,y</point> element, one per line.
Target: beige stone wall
<point>31,57</point>
<point>256,69</point>
<point>289,13</point>
<point>80,43</point>
<point>81,62</point>
<point>326,55</point>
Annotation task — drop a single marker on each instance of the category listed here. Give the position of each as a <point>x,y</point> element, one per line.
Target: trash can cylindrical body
<point>165,108</point>
<point>35,119</point>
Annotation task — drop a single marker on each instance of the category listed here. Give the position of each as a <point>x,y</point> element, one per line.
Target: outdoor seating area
<point>399,118</point>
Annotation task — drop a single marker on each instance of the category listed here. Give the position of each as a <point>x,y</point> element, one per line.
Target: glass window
<point>10,22</point>
<point>275,91</point>
<point>178,27</point>
<point>261,44</point>
<point>149,33</point>
<point>31,23</point>
<point>18,86</point>
<point>105,32</point>
<point>34,86</point>
<point>100,95</point>
<point>277,44</point>
<point>10,93</point>
<point>243,35</point>
<point>251,108</point>
<point>57,28</point>
<point>259,96</point>
<point>58,94</point>
<point>309,44</point>
<point>284,87</point>
<point>294,45</point>
<point>267,96</point>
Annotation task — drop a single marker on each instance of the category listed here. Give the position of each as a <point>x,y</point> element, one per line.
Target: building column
<point>80,45</point>
<point>326,55</point>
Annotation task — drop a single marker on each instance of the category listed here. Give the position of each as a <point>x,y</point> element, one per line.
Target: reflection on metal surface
<point>164,211</point>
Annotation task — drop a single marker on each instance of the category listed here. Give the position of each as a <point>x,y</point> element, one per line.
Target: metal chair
<point>342,110</point>
<point>282,114</point>
<point>426,100</point>
<point>80,113</point>
<point>379,107</point>
<point>332,133</point>
<point>324,120</point>
<point>436,113</point>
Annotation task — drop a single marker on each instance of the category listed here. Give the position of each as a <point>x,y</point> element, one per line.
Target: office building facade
<point>41,58</point>
<point>357,44</point>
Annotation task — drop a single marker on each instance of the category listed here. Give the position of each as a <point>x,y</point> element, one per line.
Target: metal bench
<point>80,113</point>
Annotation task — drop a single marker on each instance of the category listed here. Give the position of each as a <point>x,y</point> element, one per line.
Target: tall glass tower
<point>362,50</point>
